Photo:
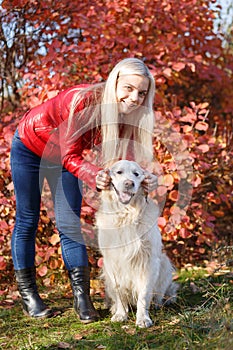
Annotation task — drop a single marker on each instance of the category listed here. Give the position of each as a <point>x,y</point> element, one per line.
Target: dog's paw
<point>170,300</point>
<point>158,306</point>
<point>119,317</point>
<point>144,322</point>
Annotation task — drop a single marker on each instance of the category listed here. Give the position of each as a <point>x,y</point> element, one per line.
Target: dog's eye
<point>119,172</point>
<point>136,174</point>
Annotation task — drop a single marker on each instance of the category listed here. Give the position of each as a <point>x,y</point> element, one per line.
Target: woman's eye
<point>142,93</point>
<point>129,88</point>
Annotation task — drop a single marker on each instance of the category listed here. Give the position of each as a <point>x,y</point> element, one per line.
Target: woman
<point>50,142</point>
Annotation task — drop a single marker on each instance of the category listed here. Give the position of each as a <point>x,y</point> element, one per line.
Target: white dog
<point>135,268</point>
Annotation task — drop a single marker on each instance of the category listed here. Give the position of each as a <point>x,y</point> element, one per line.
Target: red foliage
<point>68,42</point>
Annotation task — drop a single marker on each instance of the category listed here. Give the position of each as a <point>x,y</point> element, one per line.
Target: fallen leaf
<point>194,288</point>
<point>63,345</point>
<point>78,336</point>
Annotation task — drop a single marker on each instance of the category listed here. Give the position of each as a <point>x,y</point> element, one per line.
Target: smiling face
<point>131,92</point>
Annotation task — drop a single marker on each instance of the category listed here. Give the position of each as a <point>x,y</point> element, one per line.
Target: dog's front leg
<point>119,308</point>
<point>143,319</point>
<point>145,296</point>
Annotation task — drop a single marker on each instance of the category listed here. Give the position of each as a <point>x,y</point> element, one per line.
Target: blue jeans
<point>28,174</point>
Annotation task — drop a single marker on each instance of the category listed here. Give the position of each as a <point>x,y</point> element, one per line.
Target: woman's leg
<point>25,167</point>
<point>25,174</point>
<point>67,194</point>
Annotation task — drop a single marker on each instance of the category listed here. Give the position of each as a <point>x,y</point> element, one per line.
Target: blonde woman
<point>50,142</point>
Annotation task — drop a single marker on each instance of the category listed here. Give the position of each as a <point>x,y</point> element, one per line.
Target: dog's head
<point>126,178</point>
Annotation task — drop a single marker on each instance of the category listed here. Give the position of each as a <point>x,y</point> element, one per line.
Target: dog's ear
<point>144,191</point>
<point>143,175</point>
<point>110,173</point>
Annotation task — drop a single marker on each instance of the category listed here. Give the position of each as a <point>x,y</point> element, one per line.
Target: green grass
<point>202,318</point>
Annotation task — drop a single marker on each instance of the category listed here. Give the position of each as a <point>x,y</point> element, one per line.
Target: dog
<point>136,271</point>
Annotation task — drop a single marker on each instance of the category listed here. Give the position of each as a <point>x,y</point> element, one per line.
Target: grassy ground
<point>202,318</point>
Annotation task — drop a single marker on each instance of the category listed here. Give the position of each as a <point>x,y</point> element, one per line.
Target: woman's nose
<point>134,96</point>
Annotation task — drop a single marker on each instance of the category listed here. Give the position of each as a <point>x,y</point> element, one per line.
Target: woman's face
<point>131,91</point>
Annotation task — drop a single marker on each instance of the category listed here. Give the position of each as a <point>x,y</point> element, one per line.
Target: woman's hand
<point>150,182</point>
<point>103,180</point>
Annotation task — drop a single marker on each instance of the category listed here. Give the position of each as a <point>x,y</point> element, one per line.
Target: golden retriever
<point>135,268</point>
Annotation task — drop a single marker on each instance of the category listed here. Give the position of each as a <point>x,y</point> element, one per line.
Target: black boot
<point>32,303</point>
<point>80,282</point>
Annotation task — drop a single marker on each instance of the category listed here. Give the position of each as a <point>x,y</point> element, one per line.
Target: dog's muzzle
<point>126,195</point>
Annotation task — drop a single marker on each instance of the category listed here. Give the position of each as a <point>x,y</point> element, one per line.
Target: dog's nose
<point>128,184</point>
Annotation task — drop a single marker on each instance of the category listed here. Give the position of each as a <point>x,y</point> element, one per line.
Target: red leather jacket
<point>43,130</point>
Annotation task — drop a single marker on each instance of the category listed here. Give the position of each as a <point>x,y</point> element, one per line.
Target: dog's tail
<point>166,288</point>
<point>171,293</point>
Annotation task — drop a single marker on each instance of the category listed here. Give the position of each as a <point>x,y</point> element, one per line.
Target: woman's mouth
<point>125,106</point>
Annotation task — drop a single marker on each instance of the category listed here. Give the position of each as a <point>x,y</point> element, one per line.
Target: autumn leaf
<point>77,336</point>
<point>201,126</point>
<point>54,264</point>
<point>178,66</point>
<point>167,72</point>
<point>187,128</point>
<point>2,263</point>
<point>10,187</point>
<point>64,345</point>
<point>54,239</point>
<point>196,180</point>
<point>203,105</point>
<point>203,148</point>
<point>165,180</point>
<point>42,270</point>
<point>100,262</point>
<point>45,219</point>
<point>86,210</point>
<point>173,195</point>
<point>193,108</point>
<point>161,190</point>
<point>184,233</point>
<point>162,221</point>
<point>219,213</point>
<point>168,180</point>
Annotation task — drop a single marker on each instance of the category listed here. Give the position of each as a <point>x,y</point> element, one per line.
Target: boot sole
<point>49,315</point>
<point>88,321</point>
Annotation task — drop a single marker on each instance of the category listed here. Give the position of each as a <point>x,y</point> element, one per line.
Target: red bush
<point>81,42</point>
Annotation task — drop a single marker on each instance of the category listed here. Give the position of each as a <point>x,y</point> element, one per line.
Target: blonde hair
<point>137,131</point>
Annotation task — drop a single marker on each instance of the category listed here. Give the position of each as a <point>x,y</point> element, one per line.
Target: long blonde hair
<point>137,129</point>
